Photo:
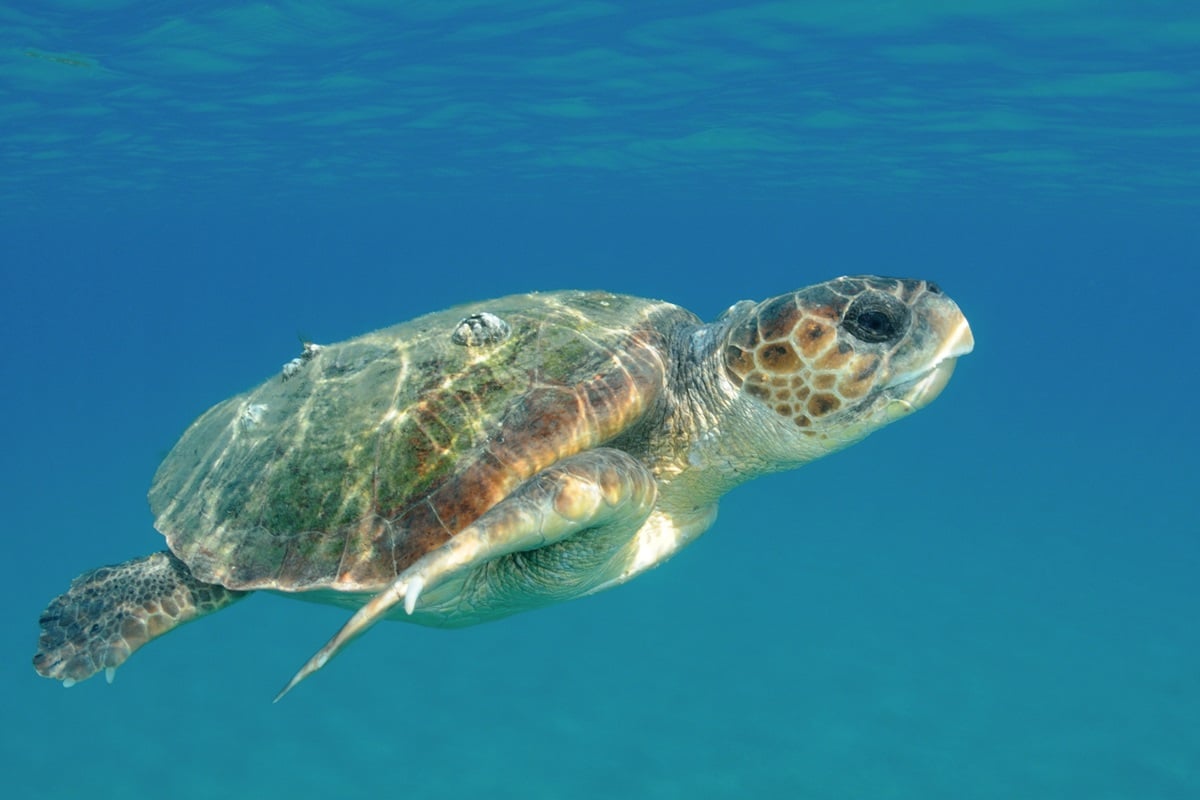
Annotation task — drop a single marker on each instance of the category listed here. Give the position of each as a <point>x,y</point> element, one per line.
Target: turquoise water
<point>994,599</point>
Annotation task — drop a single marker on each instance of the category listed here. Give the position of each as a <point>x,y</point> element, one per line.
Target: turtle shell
<point>365,455</point>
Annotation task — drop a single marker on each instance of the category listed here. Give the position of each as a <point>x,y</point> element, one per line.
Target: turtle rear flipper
<point>111,611</point>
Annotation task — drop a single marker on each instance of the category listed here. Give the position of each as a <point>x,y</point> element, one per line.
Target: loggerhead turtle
<point>501,456</point>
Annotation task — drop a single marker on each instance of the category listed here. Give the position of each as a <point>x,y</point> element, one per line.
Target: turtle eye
<point>876,317</point>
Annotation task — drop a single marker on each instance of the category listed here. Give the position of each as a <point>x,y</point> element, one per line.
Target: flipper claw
<point>414,591</point>
<point>364,618</point>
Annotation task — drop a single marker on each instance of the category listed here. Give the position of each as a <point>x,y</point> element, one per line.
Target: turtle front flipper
<point>112,611</point>
<point>552,539</point>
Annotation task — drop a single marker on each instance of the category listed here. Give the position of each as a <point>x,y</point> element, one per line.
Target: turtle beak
<point>957,341</point>
<point>922,392</point>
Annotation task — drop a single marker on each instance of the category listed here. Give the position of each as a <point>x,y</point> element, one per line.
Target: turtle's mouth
<point>921,390</point>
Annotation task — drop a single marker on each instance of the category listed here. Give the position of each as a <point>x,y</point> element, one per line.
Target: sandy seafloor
<point>994,599</point>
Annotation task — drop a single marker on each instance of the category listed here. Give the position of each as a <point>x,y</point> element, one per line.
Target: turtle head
<point>840,359</point>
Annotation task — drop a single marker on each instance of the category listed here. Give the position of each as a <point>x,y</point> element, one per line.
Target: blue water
<point>994,599</point>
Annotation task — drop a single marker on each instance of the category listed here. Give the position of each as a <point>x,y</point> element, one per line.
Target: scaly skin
<point>112,611</point>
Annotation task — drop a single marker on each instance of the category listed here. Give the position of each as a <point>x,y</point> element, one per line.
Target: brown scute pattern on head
<point>835,358</point>
<point>813,335</point>
<point>824,403</point>
<point>776,319</point>
<point>778,357</point>
<point>738,362</point>
<point>792,353</point>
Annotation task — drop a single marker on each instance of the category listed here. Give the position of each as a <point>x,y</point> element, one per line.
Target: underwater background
<point>997,598</point>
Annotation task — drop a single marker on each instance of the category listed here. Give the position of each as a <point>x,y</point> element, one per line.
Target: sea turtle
<point>501,456</point>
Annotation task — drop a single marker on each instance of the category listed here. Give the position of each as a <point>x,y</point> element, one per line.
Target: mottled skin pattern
<point>111,611</point>
<point>497,457</point>
<point>788,353</point>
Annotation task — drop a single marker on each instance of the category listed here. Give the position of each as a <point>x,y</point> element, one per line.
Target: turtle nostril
<point>933,288</point>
